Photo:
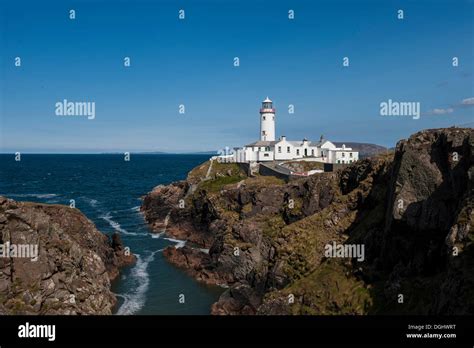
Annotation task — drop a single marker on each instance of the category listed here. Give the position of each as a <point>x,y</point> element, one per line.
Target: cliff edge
<point>72,269</point>
<point>409,214</point>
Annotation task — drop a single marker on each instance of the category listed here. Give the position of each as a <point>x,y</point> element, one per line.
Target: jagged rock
<point>121,256</point>
<point>239,299</point>
<point>428,190</point>
<point>166,209</point>
<point>266,239</point>
<point>75,263</point>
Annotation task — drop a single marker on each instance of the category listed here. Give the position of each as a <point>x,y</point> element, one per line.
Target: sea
<point>109,191</point>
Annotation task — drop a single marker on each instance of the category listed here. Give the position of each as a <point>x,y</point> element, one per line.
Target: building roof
<point>300,142</point>
<point>267,100</point>
<point>324,141</point>
<point>262,143</point>
<point>318,143</point>
<point>296,143</point>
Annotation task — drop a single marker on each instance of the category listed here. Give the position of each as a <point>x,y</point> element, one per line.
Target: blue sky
<point>190,62</point>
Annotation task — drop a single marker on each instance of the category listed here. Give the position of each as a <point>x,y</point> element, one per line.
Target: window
<point>288,149</point>
<point>297,152</point>
<point>267,148</point>
<point>265,155</point>
<point>312,152</point>
<point>279,149</point>
<point>350,154</point>
<point>338,161</point>
<point>264,118</point>
<point>343,154</point>
<point>262,149</point>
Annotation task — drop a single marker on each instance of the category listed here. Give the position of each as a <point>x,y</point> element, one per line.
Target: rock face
<point>426,243</point>
<point>431,186</point>
<point>74,267</point>
<point>411,211</point>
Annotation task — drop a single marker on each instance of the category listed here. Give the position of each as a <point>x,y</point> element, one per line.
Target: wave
<point>135,299</point>
<point>134,209</point>
<point>157,235</point>
<point>179,243</point>
<point>116,226</point>
<point>92,202</point>
<point>35,195</point>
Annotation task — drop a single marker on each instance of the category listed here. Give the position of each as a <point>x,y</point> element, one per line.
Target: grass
<point>263,181</point>
<point>329,290</point>
<point>217,184</point>
<point>221,174</point>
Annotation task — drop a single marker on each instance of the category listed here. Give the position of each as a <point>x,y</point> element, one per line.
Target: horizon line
<point>112,153</point>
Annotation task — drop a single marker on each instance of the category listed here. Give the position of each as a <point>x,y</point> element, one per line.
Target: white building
<point>267,121</point>
<point>269,149</point>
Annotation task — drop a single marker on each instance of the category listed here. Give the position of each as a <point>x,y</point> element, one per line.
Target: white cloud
<point>442,111</point>
<point>468,101</point>
<point>465,103</point>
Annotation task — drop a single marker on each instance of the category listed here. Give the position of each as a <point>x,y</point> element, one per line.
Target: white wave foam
<point>116,226</point>
<point>36,195</point>
<point>92,202</point>
<point>134,209</point>
<point>135,299</point>
<point>179,243</point>
<point>157,235</point>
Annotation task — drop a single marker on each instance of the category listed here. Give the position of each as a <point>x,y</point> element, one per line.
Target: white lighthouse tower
<point>267,121</point>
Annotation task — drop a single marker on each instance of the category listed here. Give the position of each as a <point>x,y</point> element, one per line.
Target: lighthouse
<point>267,121</point>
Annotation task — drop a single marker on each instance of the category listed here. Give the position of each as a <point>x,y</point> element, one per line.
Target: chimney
<point>283,138</point>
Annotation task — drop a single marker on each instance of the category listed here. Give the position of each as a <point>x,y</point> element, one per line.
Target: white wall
<point>250,154</point>
<point>293,154</point>
<point>332,154</point>
<point>267,124</point>
<point>328,145</point>
<point>284,154</point>
<point>265,156</point>
<point>344,156</point>
<point>240,155</point>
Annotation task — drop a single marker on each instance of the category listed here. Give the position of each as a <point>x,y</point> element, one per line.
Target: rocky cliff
<point>74,266</point>
<point>411,211</point>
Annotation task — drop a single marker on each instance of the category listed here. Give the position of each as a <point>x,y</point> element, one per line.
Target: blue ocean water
<point>107,190</point>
